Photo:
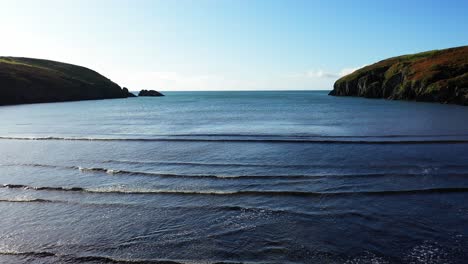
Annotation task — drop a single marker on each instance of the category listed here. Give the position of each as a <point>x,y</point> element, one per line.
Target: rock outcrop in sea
<point>432,76</point>
<point>129,94</point>
<point>26,80</point>
<point>150,93</point>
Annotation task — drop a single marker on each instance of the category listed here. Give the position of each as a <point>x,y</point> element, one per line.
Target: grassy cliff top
<point>49,69</point>
<point>27,80</point>
<point>420,66</point>
<point>432,76</point>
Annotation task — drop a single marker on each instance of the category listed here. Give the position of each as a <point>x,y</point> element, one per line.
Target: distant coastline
<point>432,76</point>
<point>27,80</point>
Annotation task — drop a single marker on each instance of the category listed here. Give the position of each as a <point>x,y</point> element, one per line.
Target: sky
<point>228,44</point>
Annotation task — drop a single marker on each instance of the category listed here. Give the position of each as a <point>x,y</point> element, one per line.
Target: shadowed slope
<point>25,80</point>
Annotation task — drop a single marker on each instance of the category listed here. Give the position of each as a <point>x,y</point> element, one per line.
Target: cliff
<point>432,76</point>
<point>26,80</point>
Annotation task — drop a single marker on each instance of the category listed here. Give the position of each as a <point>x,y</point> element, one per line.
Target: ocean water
<point>234,177</point>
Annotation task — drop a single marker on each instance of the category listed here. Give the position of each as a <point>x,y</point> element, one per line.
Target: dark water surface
<point>234,177</point>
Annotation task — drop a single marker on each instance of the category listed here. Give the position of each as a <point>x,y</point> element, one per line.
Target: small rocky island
<point>26,80</point>
<point>149,93</point>
<point>432,76</point>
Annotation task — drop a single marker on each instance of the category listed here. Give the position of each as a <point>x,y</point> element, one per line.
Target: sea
<point>234,177</point>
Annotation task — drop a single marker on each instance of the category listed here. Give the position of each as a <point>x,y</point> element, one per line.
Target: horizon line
<point>253,90</point>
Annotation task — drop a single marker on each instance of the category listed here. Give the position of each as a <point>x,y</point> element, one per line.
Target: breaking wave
<point>127,190</point>
<point>117,172</point>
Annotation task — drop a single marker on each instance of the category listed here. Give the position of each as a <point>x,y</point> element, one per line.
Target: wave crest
<point>126,190</point>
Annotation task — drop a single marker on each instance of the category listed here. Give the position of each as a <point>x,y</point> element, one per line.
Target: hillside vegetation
<point>26,80</point>
<point>433,76</point>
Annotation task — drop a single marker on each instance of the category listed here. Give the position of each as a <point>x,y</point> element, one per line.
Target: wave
<point>68,258</point>
<point>209,164</point>
<point>275,193</point>
<point>82,259</point>
<point>260,177</point>
<point>117,172</point>
<point>102,259</point>
<point>229,208</point>
<point>283,177</point>
<point>39,254</point>
<point>215,164</point>
<point>251,140</point>
<point>84,169</point>
<point>201,207</point>
<point>40,165</point>
<point>125,190</point>
<point>26,187</point>
<point>27,201</point>
<point>255,177</point>
<point>195,176</point>
<point>309,135</point>
<point>265,165</point>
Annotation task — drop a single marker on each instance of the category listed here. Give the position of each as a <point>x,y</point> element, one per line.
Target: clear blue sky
<point>228,44</point>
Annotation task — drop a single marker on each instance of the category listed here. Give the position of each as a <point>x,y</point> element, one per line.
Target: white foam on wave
<point>428,252</point>
<point>367,258</point>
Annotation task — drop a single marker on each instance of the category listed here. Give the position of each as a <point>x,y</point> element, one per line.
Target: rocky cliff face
<point>25,80</point>
<point>433,76</point>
